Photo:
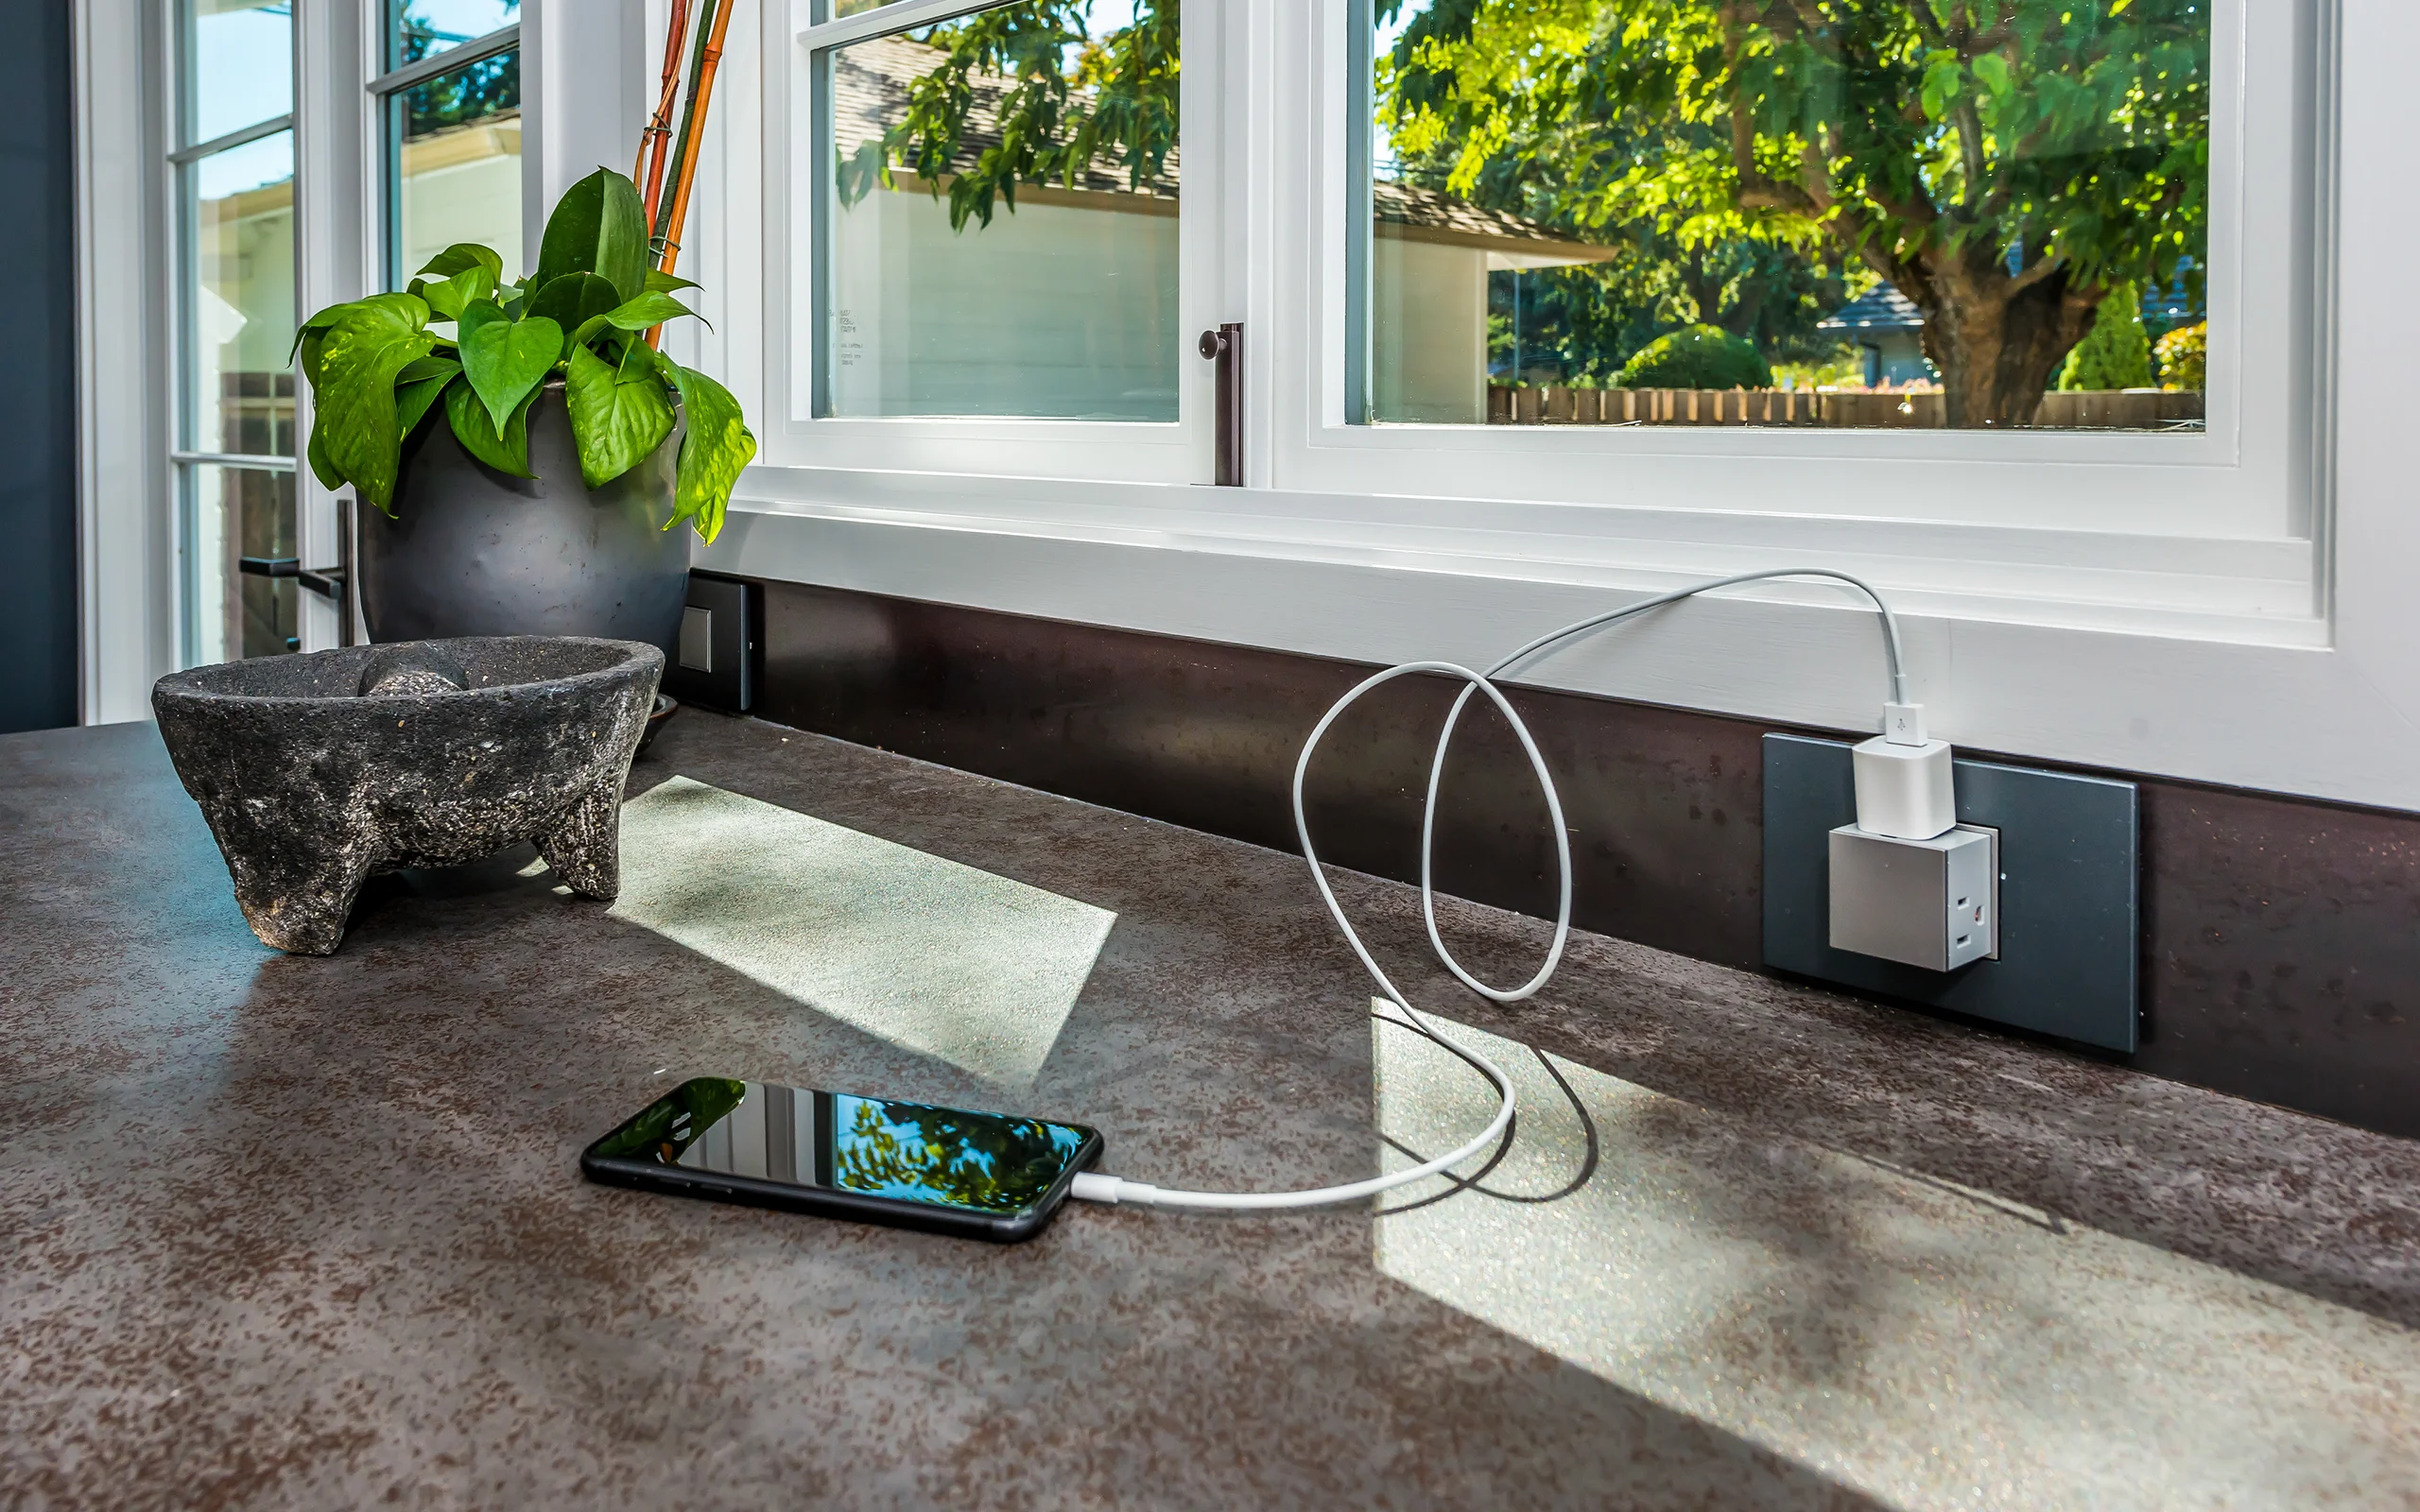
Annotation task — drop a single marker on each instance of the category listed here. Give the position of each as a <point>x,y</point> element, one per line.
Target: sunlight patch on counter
<point>1926,1344</point>
<point>974,970</point>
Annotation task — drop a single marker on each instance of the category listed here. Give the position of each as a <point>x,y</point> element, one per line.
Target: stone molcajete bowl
<point>316,771</point>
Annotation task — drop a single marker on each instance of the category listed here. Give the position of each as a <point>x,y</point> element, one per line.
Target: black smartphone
<point>977,1176</point>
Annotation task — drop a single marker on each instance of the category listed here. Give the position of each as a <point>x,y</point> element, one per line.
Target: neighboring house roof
<point>870,84</point>
<point>490,136</point>
<point>1879,309</point>
<point>1417,214</point>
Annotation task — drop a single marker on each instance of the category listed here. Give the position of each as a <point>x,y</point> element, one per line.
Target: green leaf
<point>573,300</point>
<point>505,448</point>
<point>447,298</point>
<point>320,467</point>
<point>1993,71</point>
<point>616,419</point>
<point>318,322</point>
<point>1943,78</point>
<point>413,399</point>
<point>310,343</point>
<point>421,368</point>
<point>417,387</point>
<point>635,315</point>
<point>659,281</point>
<point>717,447</point>
<point>359,358</point>
<point>462,256</point>
<point>598,227</point>
<point>506,359</point>
<point>475,316</point>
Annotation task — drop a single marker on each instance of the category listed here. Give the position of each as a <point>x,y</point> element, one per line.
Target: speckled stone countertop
<point>311,1232</point>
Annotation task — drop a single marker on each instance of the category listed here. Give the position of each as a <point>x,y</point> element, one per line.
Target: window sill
<point>2237,591</point>
<point>2021,642</point>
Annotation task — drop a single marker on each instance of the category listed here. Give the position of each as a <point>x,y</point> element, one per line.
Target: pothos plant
<point>463,341</point>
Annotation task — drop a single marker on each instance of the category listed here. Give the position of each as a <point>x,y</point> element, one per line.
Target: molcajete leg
<point>585,847</point>
<point>297,897</point>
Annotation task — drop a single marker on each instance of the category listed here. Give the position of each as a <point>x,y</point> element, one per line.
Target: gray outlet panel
<point>2069,916</point>
<point>715,664</point>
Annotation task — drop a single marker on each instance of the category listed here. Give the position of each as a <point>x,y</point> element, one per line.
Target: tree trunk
<point>1997,340</point>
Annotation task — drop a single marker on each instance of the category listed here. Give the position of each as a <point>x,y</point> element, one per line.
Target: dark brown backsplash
<point>2281,952</point>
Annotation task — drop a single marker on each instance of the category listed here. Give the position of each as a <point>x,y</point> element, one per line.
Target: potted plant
<point>522,447</point>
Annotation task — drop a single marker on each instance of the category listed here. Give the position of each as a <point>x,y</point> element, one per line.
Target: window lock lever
<point>1225,347</point>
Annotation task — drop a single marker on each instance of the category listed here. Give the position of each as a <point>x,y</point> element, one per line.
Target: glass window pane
<point>239,299</point>
<point>230,513</point>
<point>1696,212</point>
<point>423,29</point>
<point>239,65</point>
<point>458,164</point>
<point>941,296</point>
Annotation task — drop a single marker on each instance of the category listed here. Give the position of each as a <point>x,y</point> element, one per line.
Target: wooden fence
<point>2127,409</point>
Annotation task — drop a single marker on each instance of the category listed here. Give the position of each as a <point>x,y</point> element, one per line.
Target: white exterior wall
<point>1429,333</point>
<point>1051,310</point>
<point>477,200</point>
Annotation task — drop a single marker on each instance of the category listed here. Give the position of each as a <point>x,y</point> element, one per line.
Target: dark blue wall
<point>38,376</point>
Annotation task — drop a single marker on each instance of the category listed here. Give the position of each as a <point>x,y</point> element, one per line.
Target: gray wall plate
<point>2069,911</point>
<point>717,655</point>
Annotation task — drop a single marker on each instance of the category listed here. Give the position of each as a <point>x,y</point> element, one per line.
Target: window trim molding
<point>126,546</point>
<point>2178,700</point>
<point>790,433</point>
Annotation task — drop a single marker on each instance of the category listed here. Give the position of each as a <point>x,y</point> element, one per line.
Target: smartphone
<point>875,1160</point>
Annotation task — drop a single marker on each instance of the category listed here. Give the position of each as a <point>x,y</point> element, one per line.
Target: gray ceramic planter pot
<point>472,551</point>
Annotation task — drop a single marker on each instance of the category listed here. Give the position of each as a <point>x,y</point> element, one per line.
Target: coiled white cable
<point>1093,1187</point>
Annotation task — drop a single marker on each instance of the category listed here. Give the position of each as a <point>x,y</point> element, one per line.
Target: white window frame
<point>184,461</point>
<point>791,433</point>
<point>2248,477</point>
<point>386,152</point>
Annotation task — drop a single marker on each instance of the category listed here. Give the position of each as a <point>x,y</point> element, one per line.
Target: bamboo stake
<point>657,136</point>
<point>692,135</point>
<point>693,120</point>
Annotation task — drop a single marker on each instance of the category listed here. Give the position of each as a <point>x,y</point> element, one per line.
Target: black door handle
<point>1225,347</point>
<point>328,582</point>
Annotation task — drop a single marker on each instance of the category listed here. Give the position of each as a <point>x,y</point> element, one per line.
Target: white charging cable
<point>1093,1187</point>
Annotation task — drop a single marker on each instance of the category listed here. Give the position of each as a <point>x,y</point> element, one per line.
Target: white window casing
<point>788,430</point>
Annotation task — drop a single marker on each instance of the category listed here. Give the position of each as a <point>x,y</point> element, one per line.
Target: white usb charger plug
<point>1904,784</point>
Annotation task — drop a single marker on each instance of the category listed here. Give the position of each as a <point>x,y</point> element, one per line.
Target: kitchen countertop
<point>289,1232</point>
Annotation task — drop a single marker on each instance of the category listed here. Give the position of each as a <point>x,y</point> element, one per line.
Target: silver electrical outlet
<point>2066,912</point>
<point>1933,903</point>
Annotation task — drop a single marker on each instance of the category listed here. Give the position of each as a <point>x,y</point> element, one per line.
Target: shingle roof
<point>870,84</point>
<point>1880,308</point>
<point>1441,217</point>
